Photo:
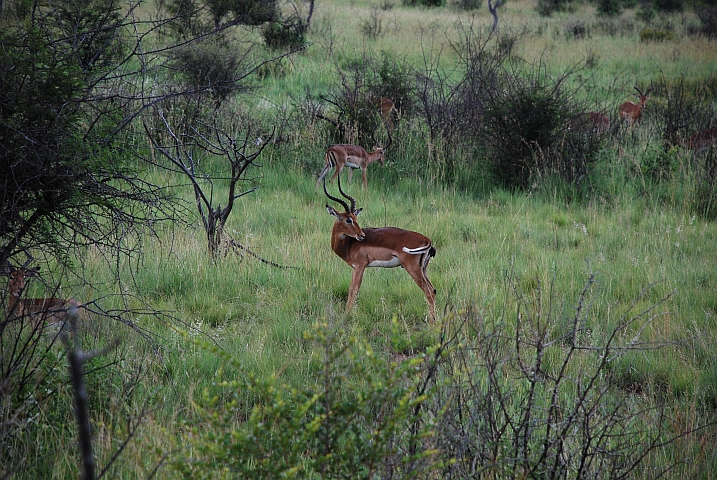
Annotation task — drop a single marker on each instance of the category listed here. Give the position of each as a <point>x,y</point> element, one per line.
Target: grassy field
<point>502,255</point>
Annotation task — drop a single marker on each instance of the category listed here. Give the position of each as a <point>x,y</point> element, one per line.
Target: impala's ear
<point>332,211</point>
<point>357,211</point>
<point>32,272</point>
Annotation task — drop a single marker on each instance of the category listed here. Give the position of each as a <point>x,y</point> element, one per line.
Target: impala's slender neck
<point>377,154</point>
<point>15,288</point>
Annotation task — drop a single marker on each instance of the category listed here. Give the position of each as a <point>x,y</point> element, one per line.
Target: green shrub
<point>708,21</point>
<point>546,8</point>
<point>646,13</point>
<point>527,131</point>
<point>669,5</point>
<point>610,8</point>
<point>649,34</point>
<point>424,3</point>
<point>361,419</point>
<point>210,65</point>
<point>289,33</point>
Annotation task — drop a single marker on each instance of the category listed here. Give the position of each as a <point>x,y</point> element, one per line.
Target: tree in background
<point>75,78</point>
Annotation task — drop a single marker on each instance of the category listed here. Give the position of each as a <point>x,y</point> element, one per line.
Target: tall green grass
<point>638,231</point>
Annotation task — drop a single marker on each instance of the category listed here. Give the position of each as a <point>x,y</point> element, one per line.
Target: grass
<point>639,235</point>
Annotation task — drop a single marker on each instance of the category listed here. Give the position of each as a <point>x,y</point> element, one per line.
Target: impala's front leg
<point>356,278</point>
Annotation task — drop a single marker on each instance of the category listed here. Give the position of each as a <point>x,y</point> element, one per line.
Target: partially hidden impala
<point>386,247</point>
<point>41,312</point>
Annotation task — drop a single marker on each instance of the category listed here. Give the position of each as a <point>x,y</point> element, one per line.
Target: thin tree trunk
<point>494,11</point>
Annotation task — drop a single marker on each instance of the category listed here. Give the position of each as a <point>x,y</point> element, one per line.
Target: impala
<point>632,112</point>
<point>591,122</point>
<point>52,310</point>
<point>385,106</point>
<point>352,156</point>
<point>379,247</point>
<point>703,140</point>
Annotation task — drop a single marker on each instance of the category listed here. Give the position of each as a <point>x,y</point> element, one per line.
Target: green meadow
<point>625,267</point>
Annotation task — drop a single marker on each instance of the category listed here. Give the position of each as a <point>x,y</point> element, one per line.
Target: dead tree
<point>185,152</point>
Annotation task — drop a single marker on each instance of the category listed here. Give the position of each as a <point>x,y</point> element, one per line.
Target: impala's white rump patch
<point>418,250</point>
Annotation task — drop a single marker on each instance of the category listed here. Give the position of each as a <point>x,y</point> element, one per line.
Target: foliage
<point>288,33</point>
<point>669,5</point>
<point>203,16</point>
<point>211,64</point>
<point>686,109</point>
<point>708,21</point>
<point>424,3</point>
<point>527,122</point>
<point>467,4</point>
<point>259,428</point>
<point>453,106</point>
<point>649,34</point>
<point>62,176</point>
<point>555,415</point>
<point>365,79</point>
<point>610,7</point>
<point>548,7</point>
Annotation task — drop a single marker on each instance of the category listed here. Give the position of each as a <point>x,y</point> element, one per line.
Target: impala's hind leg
<point>417,270</point>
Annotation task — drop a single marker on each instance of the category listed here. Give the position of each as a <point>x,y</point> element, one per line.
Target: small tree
<point>190,146</point>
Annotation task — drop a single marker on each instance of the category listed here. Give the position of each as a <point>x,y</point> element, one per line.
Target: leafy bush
<point>649,34</point>
<point>363,418</point>
<point>527,121</point>
<point>467,4</point>
<point>211,65</point>
<point>610,8</point>
<point>646,13</point>
<point>669,5</point>
<point>289,33</point>
<point>708,21</point>
<point>546,8</point>
<point>365,79</point>
<point>372,27</point>
<point>424,3</point>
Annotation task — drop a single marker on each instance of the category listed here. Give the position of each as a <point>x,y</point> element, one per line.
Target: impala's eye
<point>349,221</point>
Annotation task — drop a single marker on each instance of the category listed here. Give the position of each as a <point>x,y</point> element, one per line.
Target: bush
<point>669,6</point>
<point>424,3</point>
<point>210,65</point>
<point>527,131</point>
<point>708,21</point>
<point>363,418</point>
<point>546,8</point>
<point>372,27</point>
<point>536,397</point>
<point>646,13</point>
<point>288,34</point>
<point>610,8</point>
<point>467,5</point>
<point>355,116</point>
<point>649,34</point>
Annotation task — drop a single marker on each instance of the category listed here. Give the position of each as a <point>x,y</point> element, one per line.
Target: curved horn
<point>390,140</point>
<point>27,262</point>
<point>638,90</point>
<point>348,197</point>
<point>337,200</point>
